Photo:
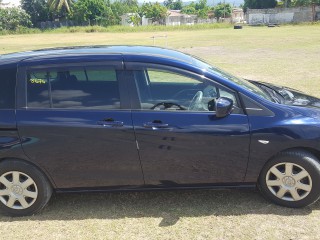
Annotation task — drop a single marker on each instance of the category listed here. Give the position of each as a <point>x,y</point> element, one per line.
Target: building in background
<point>237,15</point>
<point>176,18</point>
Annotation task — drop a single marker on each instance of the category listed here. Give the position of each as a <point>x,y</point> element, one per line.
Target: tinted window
<point>7,87</point>
<point>38,89</point>
<point>163,90</point>
<point>93,88</point>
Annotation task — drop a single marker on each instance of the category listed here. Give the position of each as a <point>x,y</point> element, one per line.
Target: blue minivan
<point>113,118</point>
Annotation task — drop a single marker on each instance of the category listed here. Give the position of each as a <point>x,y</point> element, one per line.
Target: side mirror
<point>223,107</point>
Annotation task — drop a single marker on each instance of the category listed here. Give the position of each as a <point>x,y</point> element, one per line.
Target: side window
<point>90,88</point>
<point>38,89</point>
<point>164,90</point>
<point>7,87</point>
<point>168,77</point>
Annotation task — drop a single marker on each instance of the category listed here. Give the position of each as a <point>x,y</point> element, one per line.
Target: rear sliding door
<point>75,123</point>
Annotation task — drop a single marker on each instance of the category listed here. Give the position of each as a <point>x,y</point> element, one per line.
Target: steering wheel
<point>196,100</point>
<point>168,105</point>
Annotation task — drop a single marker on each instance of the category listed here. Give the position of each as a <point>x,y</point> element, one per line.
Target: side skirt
<point>251,186</point>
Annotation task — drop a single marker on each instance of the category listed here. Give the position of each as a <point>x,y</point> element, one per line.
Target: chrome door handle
<point>155,125</point>
<point>110,122</point>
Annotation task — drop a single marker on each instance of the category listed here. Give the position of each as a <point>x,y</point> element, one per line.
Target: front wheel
<point>24,190</point>
<point>291,179</point>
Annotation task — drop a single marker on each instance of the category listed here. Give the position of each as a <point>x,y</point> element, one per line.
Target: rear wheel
<point>291,179</point>
<point>24,190</point>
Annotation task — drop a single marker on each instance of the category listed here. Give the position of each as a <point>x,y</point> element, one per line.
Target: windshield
<point>242,82</point>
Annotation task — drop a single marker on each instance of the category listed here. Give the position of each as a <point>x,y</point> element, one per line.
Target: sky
<point>14,2</point>
<point>210,2</point>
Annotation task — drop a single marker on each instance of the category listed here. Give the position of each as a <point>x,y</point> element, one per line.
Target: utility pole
<point>313,6</point>
<point>224,11</point>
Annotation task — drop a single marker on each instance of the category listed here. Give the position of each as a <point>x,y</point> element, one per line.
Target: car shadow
<point>169,205</point>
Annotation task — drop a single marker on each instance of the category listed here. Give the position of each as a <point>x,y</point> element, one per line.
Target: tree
<point>298,3</point>
<point>174,5</point>
<point>222,10</point>
<point>94,11</point>
<point>135,19</point>
<point>57,5</point>
<point>14,18</point>
<point>177,5</point>
<point>154,11</point>
<point>202,4</point>
<point>200,9</point>
<point>189,10</point>
<point>120,7</point>
<point>167,3</point>
<point>259,4</point>
<point>37,9</point>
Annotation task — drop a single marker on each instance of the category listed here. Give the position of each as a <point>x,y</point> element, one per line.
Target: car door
<point>181,141</point>
<point>75,122</point>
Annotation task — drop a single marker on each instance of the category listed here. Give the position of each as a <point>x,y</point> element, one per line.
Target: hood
<point>288,96</point>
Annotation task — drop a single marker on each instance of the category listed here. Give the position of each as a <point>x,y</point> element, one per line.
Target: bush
<point>11,19</point>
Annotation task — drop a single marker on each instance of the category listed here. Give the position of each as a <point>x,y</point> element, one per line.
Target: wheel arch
<point>38,167</point>
<point>309,150</point>
<point>256,164</point>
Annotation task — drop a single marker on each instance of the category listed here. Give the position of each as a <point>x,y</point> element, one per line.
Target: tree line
<point>260,4</point>
<point>106,12</point>
<point>102,12</point>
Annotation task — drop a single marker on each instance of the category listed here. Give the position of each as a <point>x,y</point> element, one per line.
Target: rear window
<point>7,87</point>
<point>73,87</point>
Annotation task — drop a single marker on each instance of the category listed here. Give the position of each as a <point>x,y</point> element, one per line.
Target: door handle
<point>155,125</point>
<point>110,122</point>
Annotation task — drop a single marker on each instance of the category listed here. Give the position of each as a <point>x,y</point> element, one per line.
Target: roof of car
<point>126,50</point>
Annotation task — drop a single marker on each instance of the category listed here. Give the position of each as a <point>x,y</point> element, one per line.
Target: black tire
<point>237,27</point>
<point>40,182</point>
<point>301,160</point>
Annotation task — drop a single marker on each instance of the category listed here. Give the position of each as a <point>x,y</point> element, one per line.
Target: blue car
<point>113,118</point>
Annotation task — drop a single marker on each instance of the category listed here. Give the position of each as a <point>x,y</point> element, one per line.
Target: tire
<point>24,190</point>
<point>237,27</point>
<point>291,179</point>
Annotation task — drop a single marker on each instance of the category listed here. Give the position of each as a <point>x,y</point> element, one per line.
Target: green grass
<point>183,215</point>
<point>286,55</point>
<point>117,29</point>
<point>150,28</point>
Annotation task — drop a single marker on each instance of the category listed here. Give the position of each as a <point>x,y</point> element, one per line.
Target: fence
<point>282,15</point>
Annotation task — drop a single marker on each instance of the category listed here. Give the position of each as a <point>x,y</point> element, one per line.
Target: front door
<point>181,141</point>
<point>77,127</point>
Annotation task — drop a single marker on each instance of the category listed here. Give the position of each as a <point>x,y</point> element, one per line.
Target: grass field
<point>287,55</point>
